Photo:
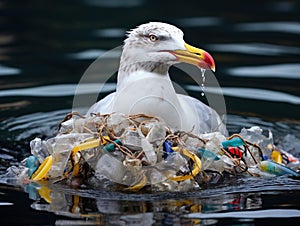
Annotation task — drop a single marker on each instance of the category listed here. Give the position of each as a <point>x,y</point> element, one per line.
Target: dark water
<point>45,48</point>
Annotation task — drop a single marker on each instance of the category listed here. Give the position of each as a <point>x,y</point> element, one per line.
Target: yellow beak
<point>195,56</point>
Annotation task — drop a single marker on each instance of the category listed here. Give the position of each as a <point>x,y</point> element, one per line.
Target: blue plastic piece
<point>110,147</point>
<point>32,164</point>
<point>277,169</point>
<point>31,189</point>
<point>168,148</point>
<point>264,157</point>
<point>207,154</point>
<point>235,142</point>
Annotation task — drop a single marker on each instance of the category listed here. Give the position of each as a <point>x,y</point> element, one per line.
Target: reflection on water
<point>60,90</point>
<point>115,3</point>
<point>255,49</point>
<point>292,27</point>
<point>114,208</point>
<point>285,71</point>
<point>9,70</point>
<point>110,33</point>
<point>146,211</point>
<point>93,54</point>
<point>275,213</point>
<point>252,93</point>
<point>199,21</point>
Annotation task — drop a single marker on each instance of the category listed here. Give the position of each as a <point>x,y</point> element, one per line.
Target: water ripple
<point>254,214</point>
<point>292,27</point>
<point>91,54</point>
<point>255,49</point>
<point>250,93</point>
<point>260,94</point>
<point>286,71</point>
<point>60,90</point>
<point>199,21</point>
<point>38,124</point>
<point>115,3</point>
<point>110,32</point>
<point>282,6</point>
<point>4,70</point>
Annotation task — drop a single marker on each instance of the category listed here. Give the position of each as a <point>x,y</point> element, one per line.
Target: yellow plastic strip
<point>76,170</point>
<point>139,185</point>
<point>43,169</point>
<point>276,156</point>
<point>104,139</point>
<point>197,165</point>
<point>45,193</point>
<point>75,206</point>
<point>86,145</point>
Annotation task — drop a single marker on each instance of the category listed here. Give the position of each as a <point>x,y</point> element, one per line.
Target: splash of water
<point>203,81</point>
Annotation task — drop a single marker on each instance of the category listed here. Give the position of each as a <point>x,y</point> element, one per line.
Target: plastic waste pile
<point>140,151</point>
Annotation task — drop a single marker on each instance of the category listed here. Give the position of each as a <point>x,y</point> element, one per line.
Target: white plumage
<point>144,85</point>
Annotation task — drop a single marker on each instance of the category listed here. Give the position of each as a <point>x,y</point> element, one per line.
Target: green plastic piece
<point>235,142</point>
<point>207,154</point>
<point>110,147</point>
<point>32,164</point>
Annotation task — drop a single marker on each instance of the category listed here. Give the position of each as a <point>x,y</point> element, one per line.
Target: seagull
<point>144,85</point>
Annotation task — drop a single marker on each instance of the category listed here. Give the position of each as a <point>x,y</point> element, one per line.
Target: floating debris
<point>139,151</point>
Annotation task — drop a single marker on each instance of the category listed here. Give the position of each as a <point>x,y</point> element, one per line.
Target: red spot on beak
<point>209,61</point>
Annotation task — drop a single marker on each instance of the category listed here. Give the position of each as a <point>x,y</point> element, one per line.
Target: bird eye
<point>153,38</point>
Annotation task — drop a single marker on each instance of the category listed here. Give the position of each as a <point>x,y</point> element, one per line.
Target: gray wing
<point>207,118</point>
<point>104,106</point>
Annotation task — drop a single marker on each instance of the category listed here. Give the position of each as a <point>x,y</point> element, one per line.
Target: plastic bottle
<point>156,133</point>
<point>149,151</point>
<point>117,122</point>
<point>111,168</point>
<point>131,139</point>
<point>255,135</point>
<point>213,141</point>
<point>61,147</point>
<point>38,149</point>
<point>67,126</point>
<point>178,162</point>
<point>192,143</point>
<point>277,169</point>
<point>207,157</point>
<point>228,164</point>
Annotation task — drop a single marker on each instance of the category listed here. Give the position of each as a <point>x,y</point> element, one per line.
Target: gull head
<point>155,46</point>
